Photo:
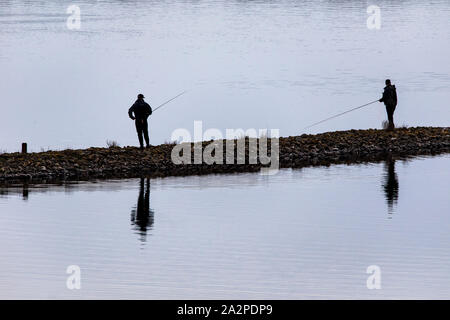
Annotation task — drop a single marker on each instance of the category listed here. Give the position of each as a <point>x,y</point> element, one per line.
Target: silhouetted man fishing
<point>139,112</point>
<point>390,101</point>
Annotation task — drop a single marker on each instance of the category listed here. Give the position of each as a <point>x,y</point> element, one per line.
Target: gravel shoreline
<point>351,146</point>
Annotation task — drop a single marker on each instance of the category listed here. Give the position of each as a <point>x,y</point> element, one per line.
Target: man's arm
<point>130,113</point>
<point>149,110</point>
<point>384,96</point>
<point>395,95</point>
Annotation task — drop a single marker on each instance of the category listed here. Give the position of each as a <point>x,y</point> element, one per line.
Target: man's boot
<point>391,126</point>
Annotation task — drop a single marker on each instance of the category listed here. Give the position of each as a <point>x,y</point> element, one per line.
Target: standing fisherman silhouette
<point>139,112</point>
<point>390,101</point>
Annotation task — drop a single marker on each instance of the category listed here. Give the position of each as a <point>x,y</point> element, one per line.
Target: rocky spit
<point>353,146</point>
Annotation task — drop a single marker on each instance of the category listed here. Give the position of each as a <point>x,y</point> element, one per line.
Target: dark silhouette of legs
<point>145,130</point>
<point>142,216</point>
<point>390,113</point>
<point>142,132</point>
<point>390,185</point>
<point>139,132</point>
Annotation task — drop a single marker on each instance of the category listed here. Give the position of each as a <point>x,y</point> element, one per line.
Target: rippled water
<point>307,233</point>
<point>246,64</point>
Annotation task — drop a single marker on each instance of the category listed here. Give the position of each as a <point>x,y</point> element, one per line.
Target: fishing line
<point>340,114</point>
<point>161,105</point>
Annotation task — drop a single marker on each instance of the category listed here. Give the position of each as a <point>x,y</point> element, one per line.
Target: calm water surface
<point>280,64</point>
<point>307,233</point>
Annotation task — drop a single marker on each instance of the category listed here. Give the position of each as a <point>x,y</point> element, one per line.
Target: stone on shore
<point>294,152</point>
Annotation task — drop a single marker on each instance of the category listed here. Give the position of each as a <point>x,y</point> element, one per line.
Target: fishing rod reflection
<point>390,184</point>
<point>142,217</point>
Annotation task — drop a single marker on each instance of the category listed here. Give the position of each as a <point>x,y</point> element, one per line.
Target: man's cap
<point>140,96</point>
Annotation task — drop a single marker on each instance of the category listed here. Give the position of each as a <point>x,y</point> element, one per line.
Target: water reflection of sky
<point>305,233</point>
<point>245,64</point>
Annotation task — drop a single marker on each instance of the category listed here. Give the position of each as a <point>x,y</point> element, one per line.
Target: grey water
<point>280,64</point>
<point>309,233</point>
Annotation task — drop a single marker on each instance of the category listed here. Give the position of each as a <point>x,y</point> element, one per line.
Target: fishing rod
<point>169,101</point>
<point>340,114</point>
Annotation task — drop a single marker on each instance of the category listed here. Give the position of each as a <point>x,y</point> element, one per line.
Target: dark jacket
<point>140,109</point>
<point>389,96</point>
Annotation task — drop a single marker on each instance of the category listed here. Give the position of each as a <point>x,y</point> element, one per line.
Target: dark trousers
<point>390,108</point>
<point>142,130</point>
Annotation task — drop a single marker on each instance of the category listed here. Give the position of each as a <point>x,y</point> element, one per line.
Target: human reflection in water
<point>390,184</point>
<point>142,217</point>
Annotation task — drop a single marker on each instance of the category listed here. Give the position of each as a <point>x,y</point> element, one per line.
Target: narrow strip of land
<point>351,146</point>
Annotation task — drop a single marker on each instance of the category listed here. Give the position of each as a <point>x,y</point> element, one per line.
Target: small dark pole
<point>24,147</point>
<point>25,191</point>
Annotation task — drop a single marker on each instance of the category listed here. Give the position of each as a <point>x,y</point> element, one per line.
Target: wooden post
<point>24,147</point>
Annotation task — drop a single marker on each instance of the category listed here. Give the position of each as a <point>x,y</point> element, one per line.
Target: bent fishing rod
<point>340,114</point>
<point>161,105</point>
